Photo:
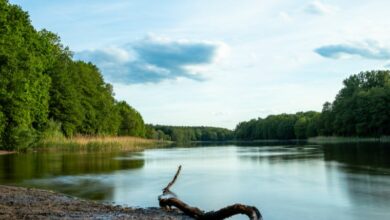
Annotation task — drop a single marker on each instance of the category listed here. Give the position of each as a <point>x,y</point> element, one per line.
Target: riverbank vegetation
<point>101,143</point>
<point>46,95</point>
<point>42,88</point>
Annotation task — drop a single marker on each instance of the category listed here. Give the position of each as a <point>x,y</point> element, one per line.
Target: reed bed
<point>101,143</point>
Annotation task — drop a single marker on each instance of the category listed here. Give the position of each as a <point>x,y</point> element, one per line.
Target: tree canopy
<point>361,108</point>
<point>283,127</point>
<point>42,87</point>
<point>40,84</point>
<point>186,133</point>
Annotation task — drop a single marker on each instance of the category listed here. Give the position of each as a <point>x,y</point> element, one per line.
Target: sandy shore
<point>25,203</point>
<point>6,152</point>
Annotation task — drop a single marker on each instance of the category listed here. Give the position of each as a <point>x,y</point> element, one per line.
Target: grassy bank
<point>109,143</point>
<point>335,139</point>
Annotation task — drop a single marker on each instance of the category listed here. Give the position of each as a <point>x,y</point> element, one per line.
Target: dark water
<point>347,181</point>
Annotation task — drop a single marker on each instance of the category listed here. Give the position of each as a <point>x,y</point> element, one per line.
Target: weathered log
<point>252,212</point>
<point>168,199</point>
<point>193,212</point>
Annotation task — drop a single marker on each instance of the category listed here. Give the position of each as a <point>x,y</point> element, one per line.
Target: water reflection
<point>73,173</point>
<point>285,180</point>
<point>360,157</point>
<point>89,187</point>
<point>279,154</point>
<point>365,174</point>
<point>18,167</point>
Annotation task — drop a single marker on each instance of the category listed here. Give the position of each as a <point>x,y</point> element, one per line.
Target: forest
<point>360,109</point>
<point>187,133</point>
<point>44,90</point>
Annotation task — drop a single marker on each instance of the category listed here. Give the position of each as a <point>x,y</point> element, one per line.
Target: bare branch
<point>252,212</point>
<point>166,189</point>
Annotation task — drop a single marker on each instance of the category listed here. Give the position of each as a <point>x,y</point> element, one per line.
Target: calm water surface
<point>347,181</point>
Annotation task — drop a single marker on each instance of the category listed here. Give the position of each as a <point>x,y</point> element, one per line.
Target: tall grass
<point>53,139</point>
<point>101,143</point>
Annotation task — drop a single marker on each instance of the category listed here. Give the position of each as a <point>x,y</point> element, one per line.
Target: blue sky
<point>219,62</point>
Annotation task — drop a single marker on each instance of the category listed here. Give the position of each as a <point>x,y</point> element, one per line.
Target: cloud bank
<point>368,49</point>
<point>319,8</point>
<point>153,60</point>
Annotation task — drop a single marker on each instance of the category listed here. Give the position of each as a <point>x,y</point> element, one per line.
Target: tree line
<point>361,108</point>
<point>187,133</point>
<point>283,126</point>
<point>43,88</point>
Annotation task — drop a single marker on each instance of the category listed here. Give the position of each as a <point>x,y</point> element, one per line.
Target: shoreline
<point>4,152</point>
<point>29,203</point>
<point>341,139</point>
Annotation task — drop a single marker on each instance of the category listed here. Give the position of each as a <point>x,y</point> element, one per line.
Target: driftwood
<point>168,199</point>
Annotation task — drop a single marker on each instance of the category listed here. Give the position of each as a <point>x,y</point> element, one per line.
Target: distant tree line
<point>283,126</point>
<point>42,88</point>
<point>186,134</point>
<point>361,108</point>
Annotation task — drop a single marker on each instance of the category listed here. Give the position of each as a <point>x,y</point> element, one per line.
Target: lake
<point>285,181</point>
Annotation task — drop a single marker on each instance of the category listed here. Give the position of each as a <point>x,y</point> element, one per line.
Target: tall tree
<point>41,86</point>
<point>24,89</point>
<point>131,122</point>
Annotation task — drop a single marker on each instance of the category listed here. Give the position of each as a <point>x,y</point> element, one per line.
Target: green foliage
<point>2,125</point>
<point>281,126</point>
<point>100,115</point>
<point>52,130</point>
<point>306,125</point>
<point>300,127</point>
<point>43,89</point>
<point>186,134</point>
<point>361,108</point>
<point>65,105</point>
<point>41,86</point>
<point>131,122</point>
<point>23,86</point>
<point>152,133</point>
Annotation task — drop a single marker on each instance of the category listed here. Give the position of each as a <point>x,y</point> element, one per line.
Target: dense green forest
<point>185,134</point>
<point>282,126</point>
<point>42,88</point>
<point>361,108</point>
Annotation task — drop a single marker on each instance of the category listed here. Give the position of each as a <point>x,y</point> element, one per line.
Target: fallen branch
<point>167,202</point>
<point>166,189</point>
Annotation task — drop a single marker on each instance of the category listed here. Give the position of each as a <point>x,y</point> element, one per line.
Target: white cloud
<point>154,59</point>
<point>285,16</point>
<point>319,8</point>
<point>369,49</point>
